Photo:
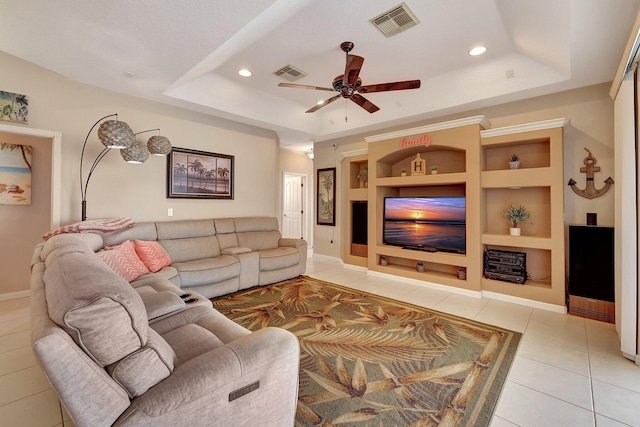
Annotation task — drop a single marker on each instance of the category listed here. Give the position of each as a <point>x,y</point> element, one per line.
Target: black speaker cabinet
<point>359,229</point>
<point>591,275</point>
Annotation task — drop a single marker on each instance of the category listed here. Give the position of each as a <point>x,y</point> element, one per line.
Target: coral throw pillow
<point>123,260</point>
<point>152,254</point>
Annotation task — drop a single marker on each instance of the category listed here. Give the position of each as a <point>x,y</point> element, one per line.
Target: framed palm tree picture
<point>15,174</point>
<point>193,174</point>
<point>326,197</point>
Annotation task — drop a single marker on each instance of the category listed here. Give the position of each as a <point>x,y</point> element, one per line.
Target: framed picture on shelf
<point>326,197</point>
<point>193,174</point>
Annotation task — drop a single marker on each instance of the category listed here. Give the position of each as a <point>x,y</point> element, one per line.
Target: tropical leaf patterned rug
<point>368,360</point>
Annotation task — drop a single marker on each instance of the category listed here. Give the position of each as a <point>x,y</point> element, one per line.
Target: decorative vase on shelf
<point>434,170</point>
<point>515,162</point>
<point>403,172</point>
<point>514,231</point>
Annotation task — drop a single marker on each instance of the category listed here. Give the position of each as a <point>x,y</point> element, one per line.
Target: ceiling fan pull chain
<point>345,111</point>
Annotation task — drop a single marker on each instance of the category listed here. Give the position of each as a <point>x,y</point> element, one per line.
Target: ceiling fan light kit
<point>349,85</point>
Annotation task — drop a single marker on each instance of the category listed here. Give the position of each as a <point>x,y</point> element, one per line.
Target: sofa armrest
<point>160,303</point>
<point>292,243</point>
<point>235,251</point>
<point>270,356</point>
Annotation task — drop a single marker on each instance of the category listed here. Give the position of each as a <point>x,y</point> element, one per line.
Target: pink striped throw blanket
<point>97,226</point>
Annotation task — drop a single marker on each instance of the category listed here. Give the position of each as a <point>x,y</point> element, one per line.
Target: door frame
<point>306,200</point>
<point>56,162</point>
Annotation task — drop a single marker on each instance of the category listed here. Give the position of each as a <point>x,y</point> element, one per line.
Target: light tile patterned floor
<point>568,371</point>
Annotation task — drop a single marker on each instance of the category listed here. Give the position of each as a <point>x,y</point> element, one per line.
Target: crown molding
<point>353,153</point>
<point>527,127</point>
<point>475,120</point>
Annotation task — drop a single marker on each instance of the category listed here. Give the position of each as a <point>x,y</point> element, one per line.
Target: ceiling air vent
<point>290,73</point>
<point>395,20</point>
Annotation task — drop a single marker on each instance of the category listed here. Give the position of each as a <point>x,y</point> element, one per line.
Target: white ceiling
<point>187,53</point>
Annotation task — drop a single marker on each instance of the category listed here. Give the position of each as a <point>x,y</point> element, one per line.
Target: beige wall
<point>590,110</point>
<point>22,226</point>
<point>139,191</point>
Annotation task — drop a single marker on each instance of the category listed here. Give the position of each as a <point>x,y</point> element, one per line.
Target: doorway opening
<point>295,209</point>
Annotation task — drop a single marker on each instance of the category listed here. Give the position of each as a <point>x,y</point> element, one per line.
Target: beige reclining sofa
<point>220,256</point>
<point>154,354</point>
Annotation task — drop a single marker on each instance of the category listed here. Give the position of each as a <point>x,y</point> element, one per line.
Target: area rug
<point>368,360</point>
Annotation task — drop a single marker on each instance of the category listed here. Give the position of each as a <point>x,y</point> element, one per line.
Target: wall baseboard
<point>426,284</point>
<point>328,258</point>
<point>15,295</point>
<point>528,302</point>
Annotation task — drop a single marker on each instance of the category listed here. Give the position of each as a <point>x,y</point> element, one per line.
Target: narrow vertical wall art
<point>15,174</point>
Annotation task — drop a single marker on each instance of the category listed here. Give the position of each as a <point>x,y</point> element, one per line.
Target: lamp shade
<point>159,145</point>
<point>115,134</point>
<point>136,154</point>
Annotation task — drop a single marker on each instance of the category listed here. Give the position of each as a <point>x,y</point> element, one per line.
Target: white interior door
<point>293,207</point>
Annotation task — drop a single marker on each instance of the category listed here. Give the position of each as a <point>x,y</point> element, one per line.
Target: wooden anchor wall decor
<point>590,168</point>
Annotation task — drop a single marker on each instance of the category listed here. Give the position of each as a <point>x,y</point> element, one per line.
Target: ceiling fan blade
<point>305,87</point>
<point>384,87</point>
<point>319,106</point>
<point>352,70</point>
<point>364,103</point>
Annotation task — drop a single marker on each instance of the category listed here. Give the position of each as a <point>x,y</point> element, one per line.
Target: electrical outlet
<point>170,212</point>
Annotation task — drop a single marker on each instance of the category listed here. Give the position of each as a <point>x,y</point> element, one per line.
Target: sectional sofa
<point>153,351</point>
<point>219,256</point>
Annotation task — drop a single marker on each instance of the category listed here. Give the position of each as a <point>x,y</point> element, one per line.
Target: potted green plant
<point>514,163</point>
<point>403,172</point>
<point>515,216</point>
<point>434,170</point>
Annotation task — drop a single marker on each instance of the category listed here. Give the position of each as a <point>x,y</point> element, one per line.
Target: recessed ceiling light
<point>479,50</point>
<point>320,102</point>
<point>244,72</point>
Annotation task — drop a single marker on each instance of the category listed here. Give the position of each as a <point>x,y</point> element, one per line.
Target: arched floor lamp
<point>115,134</point>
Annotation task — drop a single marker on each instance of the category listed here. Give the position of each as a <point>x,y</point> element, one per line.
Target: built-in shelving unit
<point>539,186</point>
<point>473,161</point>
<point>354,253</point>
<point>454,148</point>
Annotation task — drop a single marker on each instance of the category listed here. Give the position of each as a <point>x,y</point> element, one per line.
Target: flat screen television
<point>425,223</point>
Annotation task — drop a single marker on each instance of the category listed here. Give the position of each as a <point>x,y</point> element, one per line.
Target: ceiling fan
<point>349,83</point>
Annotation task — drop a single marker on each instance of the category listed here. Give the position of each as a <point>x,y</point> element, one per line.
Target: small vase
<point>403,174</point>
<point>514,231</point>
<point>434,172</point>
<point>514,165</point>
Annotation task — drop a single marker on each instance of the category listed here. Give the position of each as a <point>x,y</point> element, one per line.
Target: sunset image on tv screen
<point>440,209</point>
<point>425,222</point>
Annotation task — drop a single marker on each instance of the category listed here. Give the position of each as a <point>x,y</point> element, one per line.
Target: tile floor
<point>568,371</point>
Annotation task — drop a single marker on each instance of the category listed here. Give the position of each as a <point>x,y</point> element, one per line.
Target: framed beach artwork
<point>326,197</point>
<point>14,107</point>
<point>15,174</point>
<point>193,174</point>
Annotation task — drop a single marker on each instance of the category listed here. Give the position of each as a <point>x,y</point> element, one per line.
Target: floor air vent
<point>395,20</point>
<point>290,73</point>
